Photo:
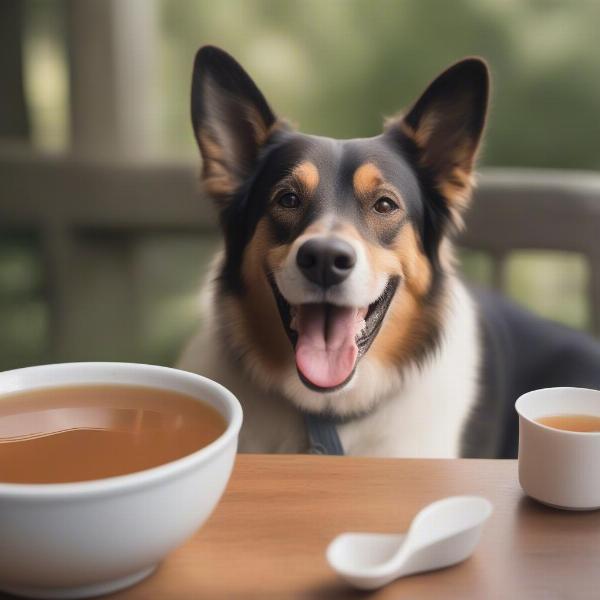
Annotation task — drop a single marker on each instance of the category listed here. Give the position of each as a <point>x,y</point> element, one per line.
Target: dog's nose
<point>326,260</point>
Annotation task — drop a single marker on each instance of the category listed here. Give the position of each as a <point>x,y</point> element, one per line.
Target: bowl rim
<point>138,479</point>
<point>555,431</point>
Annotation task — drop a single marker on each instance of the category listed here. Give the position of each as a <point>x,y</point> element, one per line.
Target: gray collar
<point>323,436</point>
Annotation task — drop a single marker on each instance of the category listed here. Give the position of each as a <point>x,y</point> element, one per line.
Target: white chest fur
<point>423,417</point>
<point>426,417</point>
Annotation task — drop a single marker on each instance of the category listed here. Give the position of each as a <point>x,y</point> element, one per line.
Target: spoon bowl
<point>442,534</point>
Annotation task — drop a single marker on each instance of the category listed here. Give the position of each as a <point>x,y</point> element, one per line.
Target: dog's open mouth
<point>329,340</point>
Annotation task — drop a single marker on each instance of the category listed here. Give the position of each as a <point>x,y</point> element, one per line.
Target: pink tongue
<point>326,348</point>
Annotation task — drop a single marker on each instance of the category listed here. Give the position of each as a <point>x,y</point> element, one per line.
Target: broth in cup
<point>580,423</point>
<point>559,447</point>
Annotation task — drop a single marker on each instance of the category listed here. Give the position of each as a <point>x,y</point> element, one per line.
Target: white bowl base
<point>86,591</point>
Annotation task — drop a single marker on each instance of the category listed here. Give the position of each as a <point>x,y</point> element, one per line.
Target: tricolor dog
<point>335,301</point>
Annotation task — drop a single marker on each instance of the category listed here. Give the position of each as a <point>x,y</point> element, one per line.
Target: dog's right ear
<point>231,121</point>
<point>445,125</point>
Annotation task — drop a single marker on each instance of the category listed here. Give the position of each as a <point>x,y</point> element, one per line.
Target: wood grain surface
<point>267,538</point>
<point>268,535</point>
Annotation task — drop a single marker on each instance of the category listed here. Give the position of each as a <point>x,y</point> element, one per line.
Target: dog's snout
<point>326,260</point>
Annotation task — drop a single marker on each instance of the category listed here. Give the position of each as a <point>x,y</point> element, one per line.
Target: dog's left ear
<point>446,124</point>
<point>231,121</point>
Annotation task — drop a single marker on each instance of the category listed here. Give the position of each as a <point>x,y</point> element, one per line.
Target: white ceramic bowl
<point>559,467</point>
<point>75,540</point>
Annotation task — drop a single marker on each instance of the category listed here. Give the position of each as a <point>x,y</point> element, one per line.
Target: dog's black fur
<point>522,353</point>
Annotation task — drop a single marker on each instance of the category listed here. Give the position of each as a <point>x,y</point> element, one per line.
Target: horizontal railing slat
<point>512,208</point>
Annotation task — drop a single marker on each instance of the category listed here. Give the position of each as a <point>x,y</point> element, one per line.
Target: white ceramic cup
<point>75,540</point>
<point>557,467</point>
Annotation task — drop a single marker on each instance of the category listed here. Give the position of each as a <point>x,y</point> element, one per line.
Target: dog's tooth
<point>293,324</point>
<point>363,325</point>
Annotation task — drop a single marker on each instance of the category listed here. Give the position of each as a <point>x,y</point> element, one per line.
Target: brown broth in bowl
<point>581,423</point>
<point>81,433</point>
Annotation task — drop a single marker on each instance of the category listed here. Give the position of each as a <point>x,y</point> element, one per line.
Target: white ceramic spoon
<point>444,533</point>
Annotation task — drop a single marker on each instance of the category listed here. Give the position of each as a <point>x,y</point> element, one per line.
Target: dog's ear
<point>446,124</point>
<point>231,121</point>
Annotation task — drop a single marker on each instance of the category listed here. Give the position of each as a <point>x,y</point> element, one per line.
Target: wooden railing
<point>61,199</point>
<point>525,209</point>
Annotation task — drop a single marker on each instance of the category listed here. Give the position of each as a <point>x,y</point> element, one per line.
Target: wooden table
<point>268,535</point>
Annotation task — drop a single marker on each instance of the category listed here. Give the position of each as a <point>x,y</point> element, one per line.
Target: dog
<point>335,304</point>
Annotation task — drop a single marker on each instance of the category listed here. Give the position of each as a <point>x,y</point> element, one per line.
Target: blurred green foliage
<point>337,66</point>
<point>23,312</point>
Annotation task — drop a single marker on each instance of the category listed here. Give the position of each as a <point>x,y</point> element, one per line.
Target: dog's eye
<point>289,200</point>
<point>385,205</point>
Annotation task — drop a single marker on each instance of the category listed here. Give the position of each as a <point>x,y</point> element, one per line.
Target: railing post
<point>594,293</point>
<point>498,258</point>
<point>14,120</point>
<point>112,62</point>
<point>57,252</point>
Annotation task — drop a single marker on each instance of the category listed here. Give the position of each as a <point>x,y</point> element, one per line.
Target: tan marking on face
<point>275,257</point>
<point>260,324</point>
<point>366,180</point>
<point>307,175</point>
<point>415,266</point>
<point>405,324</point>
<point>381,260</point>
<point>392,343</point>
<point>404,329</point>
<point>404,258</point>
<point>369,185</point>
